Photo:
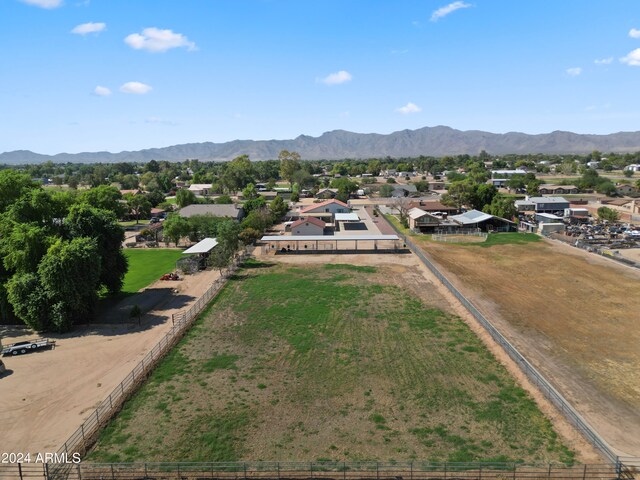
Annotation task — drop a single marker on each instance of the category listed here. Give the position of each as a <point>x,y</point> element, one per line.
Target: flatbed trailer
<point>27,346</point>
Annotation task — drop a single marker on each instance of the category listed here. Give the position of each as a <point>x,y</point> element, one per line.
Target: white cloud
<point>574,72</point>
<point>156,40</point>
<point>634,33</point>
<point>44,3</point>
<point>603,61</point>
<point>136,88</point>
<point>102,91</point>
<point>632,58</point>
<point>89,27</point>
<point>447,9</point>
<point>337,78</point>
<point>409,108</point>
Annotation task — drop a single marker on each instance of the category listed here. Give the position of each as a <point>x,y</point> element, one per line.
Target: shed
<point>196,256</point>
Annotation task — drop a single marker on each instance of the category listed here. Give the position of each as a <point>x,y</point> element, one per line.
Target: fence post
<point>514,470</point>
<point>79,473</point>
<point>46,471</point>
<point>20,470</point>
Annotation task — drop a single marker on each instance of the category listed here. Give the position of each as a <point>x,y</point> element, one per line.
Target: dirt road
<point>46,395</point>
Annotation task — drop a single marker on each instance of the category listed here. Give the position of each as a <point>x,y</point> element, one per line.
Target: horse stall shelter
<point>300,244</point>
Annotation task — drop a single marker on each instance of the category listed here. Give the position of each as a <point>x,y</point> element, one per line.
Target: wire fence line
<point>529,370</point>
<point>371,470</point>
<point>84,437</point>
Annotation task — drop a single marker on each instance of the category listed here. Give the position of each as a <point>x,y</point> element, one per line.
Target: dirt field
<point>46,395</point>
<point>574,314</point>
<point>348,362</point>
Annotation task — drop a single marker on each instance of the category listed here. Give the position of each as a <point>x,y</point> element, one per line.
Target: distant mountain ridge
<point>338,144</point>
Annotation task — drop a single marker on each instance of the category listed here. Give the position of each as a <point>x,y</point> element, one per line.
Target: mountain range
<point>339,144</point>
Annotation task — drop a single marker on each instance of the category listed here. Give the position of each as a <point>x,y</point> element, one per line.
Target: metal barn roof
<point>204,246</point>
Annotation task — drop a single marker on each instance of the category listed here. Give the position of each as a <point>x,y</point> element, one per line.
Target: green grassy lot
<point>320,362</point>
<point>148,265</point>
<point>130,223</point>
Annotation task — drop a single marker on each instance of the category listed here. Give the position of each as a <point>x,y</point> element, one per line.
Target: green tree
<point>223,200</point>
<point>502,207</point>
<point>185,197</point>
<point>249,192</point>
<point>628,173</point>
<point>175,227</point>
<point>228,237</point>
<point>609,214</point>
<point>278,208</point>
<point>606,188</point>
<point>249,235</point>
<point>23,245</point>
<point>254,204</point>
<point>102,225</point>
<point>386,190</point>
<point>105,197</point>
<point>138,206</point>
<point>238,173</point>
<point>289,164</point>
<point>70,274</point>
<point>29,301</point>
<point>12,186</point>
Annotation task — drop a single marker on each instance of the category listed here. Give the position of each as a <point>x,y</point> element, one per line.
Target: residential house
<point>330,207</point>
<point>555,205</point>
<point>308,226</point>
<point>400,191</point>
<point>434,207</point>
<point>327,193</point>
<point>625,189</point>
<point>201,188</point>
<point>423,222</point>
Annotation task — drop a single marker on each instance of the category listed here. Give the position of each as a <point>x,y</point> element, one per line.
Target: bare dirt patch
<point>573,314</point>
<point>46,395</point>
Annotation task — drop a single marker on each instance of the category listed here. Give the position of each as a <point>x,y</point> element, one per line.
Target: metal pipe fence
<point>82,439</point>
<point>308,470</point>
<point>529,370</point>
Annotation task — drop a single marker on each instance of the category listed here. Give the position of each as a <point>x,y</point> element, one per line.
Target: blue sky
<point>92,75</point>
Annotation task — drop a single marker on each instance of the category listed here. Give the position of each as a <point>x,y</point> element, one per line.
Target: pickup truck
<point>27,346</point>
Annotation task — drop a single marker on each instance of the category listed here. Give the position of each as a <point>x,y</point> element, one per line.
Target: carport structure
<point>197,255</point>
<point>280,244</point>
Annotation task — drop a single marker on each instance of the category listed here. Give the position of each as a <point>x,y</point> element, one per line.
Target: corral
<point>277,369</point>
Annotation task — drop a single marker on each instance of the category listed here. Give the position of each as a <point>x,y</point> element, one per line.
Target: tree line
<point>59,252</point>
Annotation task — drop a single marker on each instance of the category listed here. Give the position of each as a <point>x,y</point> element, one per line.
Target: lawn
<point>131,223</point>
<point>333,362</point>
<point>148,265</point>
